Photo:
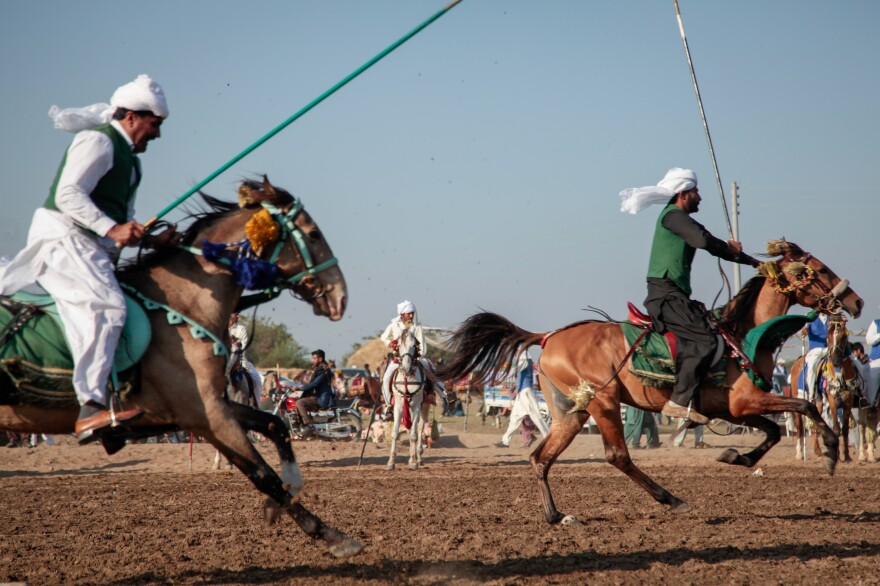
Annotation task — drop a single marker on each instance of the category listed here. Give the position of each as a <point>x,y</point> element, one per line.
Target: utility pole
<point>734,198</point>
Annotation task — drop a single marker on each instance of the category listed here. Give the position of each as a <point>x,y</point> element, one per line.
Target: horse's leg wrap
<point>273,428</point>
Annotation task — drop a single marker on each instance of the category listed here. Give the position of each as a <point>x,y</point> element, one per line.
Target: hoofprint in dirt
<point>73,515</point>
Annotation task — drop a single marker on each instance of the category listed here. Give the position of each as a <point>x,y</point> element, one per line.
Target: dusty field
<point>71,515</point>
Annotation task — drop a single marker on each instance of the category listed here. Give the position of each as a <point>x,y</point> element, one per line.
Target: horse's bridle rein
<point>828,302</point>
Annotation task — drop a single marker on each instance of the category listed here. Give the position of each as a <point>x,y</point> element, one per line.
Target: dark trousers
<point>304,405</point>
<point>673,311</point>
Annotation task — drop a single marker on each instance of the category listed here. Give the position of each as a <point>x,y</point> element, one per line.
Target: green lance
<point>308,107</point>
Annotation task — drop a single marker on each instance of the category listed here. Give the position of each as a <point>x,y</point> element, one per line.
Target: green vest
<point>114,190</point>
<point>671,256</point>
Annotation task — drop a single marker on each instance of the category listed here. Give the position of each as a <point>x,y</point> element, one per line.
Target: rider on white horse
<point>239,339</point>
<point>405,321</point>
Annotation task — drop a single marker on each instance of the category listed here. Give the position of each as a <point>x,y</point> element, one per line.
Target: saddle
<point>638,318</point>
<point>35,357</point>
<point>652,355</point>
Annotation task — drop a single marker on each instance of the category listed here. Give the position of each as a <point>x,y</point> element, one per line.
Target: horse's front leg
<point>395,431</point>
<point>231,439</point>
<point>415,432</point>
<point>772,436</point>
<point>606,411</point>
<point>746,400</point>
<point>817,449</point>
<point>844,430</point>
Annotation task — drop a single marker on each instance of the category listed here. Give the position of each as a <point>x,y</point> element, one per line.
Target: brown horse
<point>368,388</point>
<point>841,385</point>
<point>582,371</point>
<point>189,299</point>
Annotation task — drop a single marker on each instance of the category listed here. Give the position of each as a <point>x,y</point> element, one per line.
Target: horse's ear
<point>277,196</point>
<point>268,188</point>
<point>777,247</point>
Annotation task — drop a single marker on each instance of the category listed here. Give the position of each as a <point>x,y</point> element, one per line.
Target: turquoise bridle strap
<point>289,230</point>
<point>196,330</point>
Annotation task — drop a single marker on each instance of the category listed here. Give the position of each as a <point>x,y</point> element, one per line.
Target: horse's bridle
<point>828,302</point>
<point>288,231</point>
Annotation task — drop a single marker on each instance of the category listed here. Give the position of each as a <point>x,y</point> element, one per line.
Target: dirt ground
<point>73,515</point>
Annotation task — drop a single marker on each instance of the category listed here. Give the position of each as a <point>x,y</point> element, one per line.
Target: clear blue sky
<point>478,165</point>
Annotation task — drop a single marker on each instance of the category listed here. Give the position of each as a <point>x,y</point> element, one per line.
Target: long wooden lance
<point>305,109</point>
<point>687,52</point>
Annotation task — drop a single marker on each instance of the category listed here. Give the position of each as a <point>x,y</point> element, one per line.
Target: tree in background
<point>272,344</point>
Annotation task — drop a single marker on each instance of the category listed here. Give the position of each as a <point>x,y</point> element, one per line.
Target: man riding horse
<point>239,367</point>
<point>74,239</point>
<point>676,238</point>
<point>406,321</point>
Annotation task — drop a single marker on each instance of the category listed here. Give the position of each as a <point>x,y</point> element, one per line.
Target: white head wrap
<point>141,94</point>
<point>405,306</point>
<point>675,181</point>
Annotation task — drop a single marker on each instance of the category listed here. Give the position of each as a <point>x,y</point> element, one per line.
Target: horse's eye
<point>822,271</point>
<point>315,234</point>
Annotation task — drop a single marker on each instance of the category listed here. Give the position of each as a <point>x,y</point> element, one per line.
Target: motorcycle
<point>341,422</point>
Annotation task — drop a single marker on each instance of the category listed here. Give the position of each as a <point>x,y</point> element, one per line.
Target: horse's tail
<point>482,344</point>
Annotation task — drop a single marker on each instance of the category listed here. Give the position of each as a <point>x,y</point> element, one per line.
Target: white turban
<point>405,307</point>
<point>675,181</point>
<point>141,94</point>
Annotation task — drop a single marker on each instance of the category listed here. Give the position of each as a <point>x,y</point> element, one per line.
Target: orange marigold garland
<point>261,230</point>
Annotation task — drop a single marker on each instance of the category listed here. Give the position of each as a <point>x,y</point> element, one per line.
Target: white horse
<point>245,389</point>
<point>407,388</point>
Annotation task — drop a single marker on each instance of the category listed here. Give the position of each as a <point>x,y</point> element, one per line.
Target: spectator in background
<point>780,376</point>
<point>637,422</point>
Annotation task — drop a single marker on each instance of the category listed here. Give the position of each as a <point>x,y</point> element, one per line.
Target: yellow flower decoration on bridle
<point>261,230</point>
<point>804,275</point>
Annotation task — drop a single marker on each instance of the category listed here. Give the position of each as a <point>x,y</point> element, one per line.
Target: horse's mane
<point>211,210</point>
<point>733,315</point>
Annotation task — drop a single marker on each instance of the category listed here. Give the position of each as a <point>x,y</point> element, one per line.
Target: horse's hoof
<point>346,548</point>
<point>830,464</point>
<point>271,511</point>
<point>570,520</point>
<point>389,467</point>
<point>680,508</point>
<point>729,456</point>
<point>413,466</point>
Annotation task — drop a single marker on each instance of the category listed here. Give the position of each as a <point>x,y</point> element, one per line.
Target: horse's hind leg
<point>562,432</point>
<point>231,440</point>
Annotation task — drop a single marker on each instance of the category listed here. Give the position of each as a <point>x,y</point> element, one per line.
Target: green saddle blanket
<point>652,362</point>
<point>37,357</point>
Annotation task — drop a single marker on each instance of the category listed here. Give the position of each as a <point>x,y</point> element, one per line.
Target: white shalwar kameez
<point>240,341</point>
<point>525,404</point>
<point>76,267</point>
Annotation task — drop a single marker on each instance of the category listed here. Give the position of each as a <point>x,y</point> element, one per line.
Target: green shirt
<point>114,190</point>
<point>671,256</point>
